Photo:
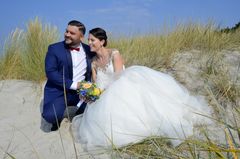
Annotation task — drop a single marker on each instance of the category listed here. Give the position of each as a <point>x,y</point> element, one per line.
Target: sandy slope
<point>20,133</point>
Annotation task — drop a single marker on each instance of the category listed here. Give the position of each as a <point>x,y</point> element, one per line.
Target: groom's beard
<point>71,43</point>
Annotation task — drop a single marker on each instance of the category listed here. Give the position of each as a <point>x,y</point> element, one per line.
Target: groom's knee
<point>53,111</point>
<point>52,116</point>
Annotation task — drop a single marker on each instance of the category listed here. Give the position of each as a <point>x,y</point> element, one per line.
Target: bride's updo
<point>100,34</point>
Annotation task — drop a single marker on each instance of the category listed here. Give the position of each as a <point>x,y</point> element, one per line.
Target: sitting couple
<point>137,102</point>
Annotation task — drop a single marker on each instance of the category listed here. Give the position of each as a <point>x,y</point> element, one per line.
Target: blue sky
<point>117,16</point>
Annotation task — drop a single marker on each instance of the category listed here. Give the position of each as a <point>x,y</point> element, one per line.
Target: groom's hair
<point>78,24</point>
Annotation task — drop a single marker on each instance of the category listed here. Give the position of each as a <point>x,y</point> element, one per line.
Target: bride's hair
<point>100,34</point>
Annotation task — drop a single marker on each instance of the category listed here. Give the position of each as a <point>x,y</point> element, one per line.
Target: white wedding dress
<point>138,103</point>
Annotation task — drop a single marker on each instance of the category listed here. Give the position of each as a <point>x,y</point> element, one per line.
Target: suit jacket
<point>59,72</point>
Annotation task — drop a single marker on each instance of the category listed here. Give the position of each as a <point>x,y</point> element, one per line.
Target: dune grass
<point>157,50</point>
<point>24,52</point>
<point>221,88</point>
<point>23,58</point>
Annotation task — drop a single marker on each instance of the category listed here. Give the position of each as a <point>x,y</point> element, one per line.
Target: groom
<point>66,64</point>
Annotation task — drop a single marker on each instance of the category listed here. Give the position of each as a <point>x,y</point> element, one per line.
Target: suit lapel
<point>69,62</point>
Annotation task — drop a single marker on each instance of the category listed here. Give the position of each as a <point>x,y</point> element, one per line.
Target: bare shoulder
<point>116,56</point>
<point>115,51</point>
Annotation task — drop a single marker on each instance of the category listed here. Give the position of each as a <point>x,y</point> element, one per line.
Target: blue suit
<point>59,72</point>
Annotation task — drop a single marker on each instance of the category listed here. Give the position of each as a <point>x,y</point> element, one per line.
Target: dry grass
<point>24,52</point>
<point>221,88</point>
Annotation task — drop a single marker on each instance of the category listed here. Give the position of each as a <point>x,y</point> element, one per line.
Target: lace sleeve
<point>115,52</point>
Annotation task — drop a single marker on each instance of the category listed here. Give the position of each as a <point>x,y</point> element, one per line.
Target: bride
<point>137,102</point>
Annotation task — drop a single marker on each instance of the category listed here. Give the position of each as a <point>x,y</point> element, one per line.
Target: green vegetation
<point>24,53</point>
<point>232,29</point>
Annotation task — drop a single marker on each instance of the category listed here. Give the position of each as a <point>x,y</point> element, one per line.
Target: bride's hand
<point>84,99</point>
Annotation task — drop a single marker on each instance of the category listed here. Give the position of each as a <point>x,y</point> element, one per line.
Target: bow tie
<point>77,49</point>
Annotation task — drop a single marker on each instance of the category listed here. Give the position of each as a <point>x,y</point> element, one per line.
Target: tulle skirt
<point>142,102</point>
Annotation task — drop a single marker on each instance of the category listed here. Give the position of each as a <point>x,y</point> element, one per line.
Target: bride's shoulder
<point>116,57</point>
<point>115,53</point>
<point>114,50</point>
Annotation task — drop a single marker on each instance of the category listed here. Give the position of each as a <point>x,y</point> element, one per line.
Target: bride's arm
<point>117,62</point>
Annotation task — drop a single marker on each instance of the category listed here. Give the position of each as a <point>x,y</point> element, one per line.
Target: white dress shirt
<point>79,66</point>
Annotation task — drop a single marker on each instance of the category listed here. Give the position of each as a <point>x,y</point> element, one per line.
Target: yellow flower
<point>96,92</point>
<point>87,85</point>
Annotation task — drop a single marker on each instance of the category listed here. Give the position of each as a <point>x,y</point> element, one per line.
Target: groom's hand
<point>78,85</point>
<point>84,99</point>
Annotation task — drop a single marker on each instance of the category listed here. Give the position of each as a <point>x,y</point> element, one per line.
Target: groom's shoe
<point>54,127</point>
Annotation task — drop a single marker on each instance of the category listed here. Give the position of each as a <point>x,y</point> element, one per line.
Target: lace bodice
<point>105,76</point>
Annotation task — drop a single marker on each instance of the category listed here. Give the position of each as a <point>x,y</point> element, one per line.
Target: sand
<point>20,120</point>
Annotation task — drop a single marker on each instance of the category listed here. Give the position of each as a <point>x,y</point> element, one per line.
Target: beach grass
<point>25,50</point>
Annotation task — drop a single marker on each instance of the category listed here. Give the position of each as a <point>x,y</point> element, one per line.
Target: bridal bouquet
<point>89,91</point>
